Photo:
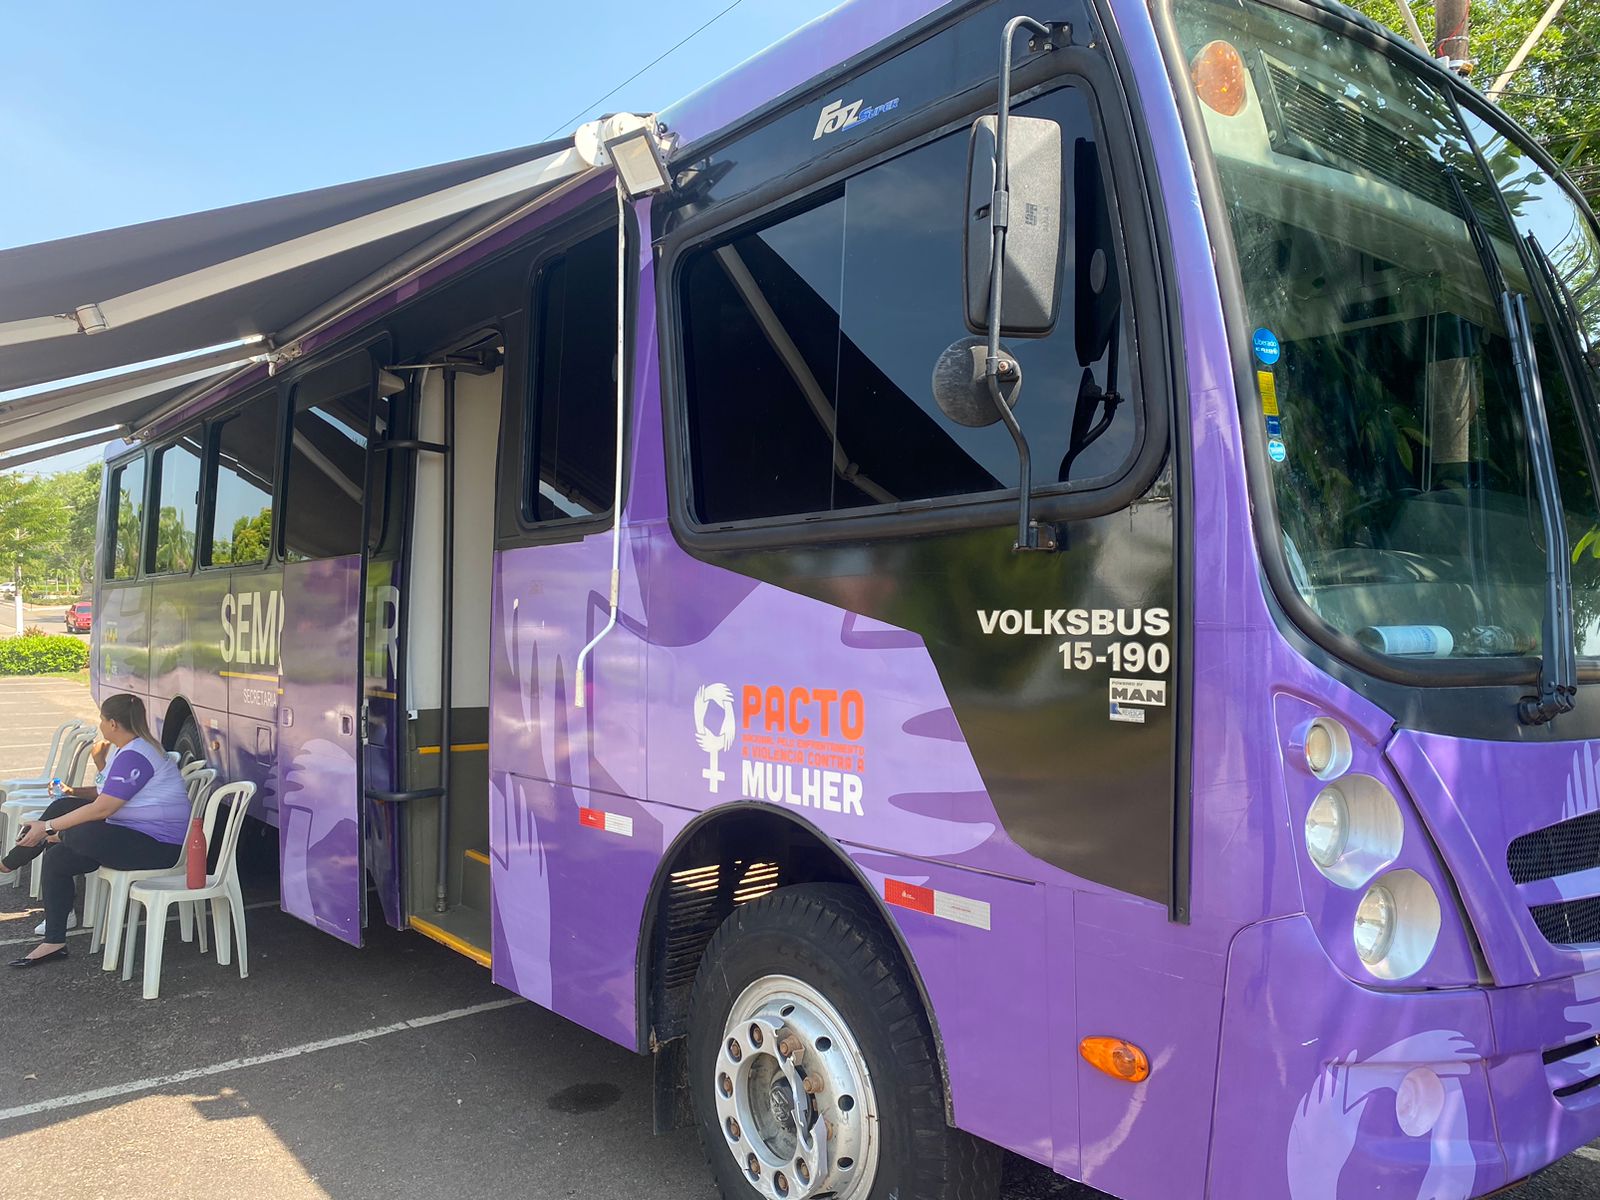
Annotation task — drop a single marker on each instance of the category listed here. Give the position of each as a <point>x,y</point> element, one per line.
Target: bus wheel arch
<point>180,731</point>
<point>728,856</point>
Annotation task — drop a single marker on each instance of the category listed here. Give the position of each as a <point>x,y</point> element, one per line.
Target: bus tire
<point>802,996</point>
<point>189,744</point>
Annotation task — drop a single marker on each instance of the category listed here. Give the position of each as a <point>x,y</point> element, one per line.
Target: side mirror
<point>1031,285</point>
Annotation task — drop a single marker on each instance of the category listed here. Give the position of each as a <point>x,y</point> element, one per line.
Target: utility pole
<point>1451,27</point>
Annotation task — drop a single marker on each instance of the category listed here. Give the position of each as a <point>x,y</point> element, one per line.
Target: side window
<point>125,519</point>
<point>242,471</point>
<point>572,408</point>
<point>811,343</point>
<point>327,463</point>
<point>177,508</point>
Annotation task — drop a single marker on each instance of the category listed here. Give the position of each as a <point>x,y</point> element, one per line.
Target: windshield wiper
<point>1558,668</point>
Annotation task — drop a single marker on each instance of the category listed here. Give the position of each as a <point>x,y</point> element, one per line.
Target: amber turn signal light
<point>1117,1058</point>
<point>1218,74</point>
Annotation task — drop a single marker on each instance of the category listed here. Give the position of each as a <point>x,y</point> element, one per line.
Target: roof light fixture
<point>628,142</point>
<point>638,161</point>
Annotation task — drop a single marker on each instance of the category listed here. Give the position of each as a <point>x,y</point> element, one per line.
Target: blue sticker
<point>1266,346</point>
<point>1275,449</point>
<point>1274,426</point>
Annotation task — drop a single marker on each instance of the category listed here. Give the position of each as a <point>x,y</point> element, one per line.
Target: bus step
<point>464,930</point>
<point>475,881</point>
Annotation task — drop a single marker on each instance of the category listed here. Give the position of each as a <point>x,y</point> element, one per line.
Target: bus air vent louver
<point>1562,849</point>
<point>1569,923</point>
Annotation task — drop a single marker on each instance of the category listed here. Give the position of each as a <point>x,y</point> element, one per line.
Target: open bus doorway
<point>441,646</point>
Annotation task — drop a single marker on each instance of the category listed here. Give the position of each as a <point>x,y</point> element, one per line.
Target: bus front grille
<point>1569,923</point>
<point>1563,849</point>
<point>1574,1068</point>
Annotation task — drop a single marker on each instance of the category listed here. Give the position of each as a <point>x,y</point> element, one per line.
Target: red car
<point>80,617</point>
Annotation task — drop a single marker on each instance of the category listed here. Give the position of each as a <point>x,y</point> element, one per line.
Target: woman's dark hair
<point>127,710</point>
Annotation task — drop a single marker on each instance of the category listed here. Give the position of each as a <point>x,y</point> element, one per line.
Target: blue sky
<point>112,113</point>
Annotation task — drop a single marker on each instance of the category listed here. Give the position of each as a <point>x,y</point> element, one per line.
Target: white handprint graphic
<point>1424,1073</point>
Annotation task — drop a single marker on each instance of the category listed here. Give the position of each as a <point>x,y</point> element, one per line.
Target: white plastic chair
<point>24,805</point>
<point>54,761</point>
<point>105,892</point>
<point>221,889</point>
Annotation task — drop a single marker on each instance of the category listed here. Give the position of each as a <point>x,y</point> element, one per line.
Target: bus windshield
<point>1385,381</point>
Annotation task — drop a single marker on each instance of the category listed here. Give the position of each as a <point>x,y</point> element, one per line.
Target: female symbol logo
<point>719,741</point>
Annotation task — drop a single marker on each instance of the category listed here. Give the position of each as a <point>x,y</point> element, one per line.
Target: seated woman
<point>136,822</point>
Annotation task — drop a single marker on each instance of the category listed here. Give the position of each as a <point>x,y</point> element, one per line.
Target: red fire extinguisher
<point>196,861</point>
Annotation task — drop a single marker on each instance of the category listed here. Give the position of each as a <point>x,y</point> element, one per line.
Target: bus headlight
<point>1397,925</point>
<point>1327,748</point>
<point>1375,924</point>
<point>1327,828</point>
<point>1354,830</point>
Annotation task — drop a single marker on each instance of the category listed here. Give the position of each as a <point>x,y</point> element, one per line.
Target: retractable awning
<point>171,304</point>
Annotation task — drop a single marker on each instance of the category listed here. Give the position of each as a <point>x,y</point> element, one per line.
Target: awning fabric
<point>108,301</point>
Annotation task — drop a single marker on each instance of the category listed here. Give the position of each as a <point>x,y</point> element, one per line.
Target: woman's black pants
<point>82,849</point>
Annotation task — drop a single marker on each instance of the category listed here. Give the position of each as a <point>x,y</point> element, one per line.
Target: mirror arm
<point>997,370</point>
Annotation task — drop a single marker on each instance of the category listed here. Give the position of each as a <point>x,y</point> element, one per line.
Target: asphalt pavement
<point>390,1072</point>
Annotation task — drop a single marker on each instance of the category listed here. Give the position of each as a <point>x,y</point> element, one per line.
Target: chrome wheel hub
<point>794,1097</point>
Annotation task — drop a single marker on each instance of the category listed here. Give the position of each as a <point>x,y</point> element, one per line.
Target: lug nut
<point>781,1183</point>
<point>803,1171</point>
<point>811,1084</point>
<point>734,1131</point>
<point>725,1084</point>
<point>753,1165</point>
<point>735,1051</point>
<point>756,1036</point>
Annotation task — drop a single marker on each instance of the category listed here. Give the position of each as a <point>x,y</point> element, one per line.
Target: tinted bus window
<point>125,521</point>
<point>572,416</point>
<point>241,489</point>
<point>327,467</point>
<point>178,486</point>
<point>818,334</point>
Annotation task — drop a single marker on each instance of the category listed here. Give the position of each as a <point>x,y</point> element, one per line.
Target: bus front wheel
<point>812,1065</point>
<point>189,744</point>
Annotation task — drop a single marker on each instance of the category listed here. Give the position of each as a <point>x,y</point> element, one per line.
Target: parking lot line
<point>254,1060</point>
<point>34,937</point>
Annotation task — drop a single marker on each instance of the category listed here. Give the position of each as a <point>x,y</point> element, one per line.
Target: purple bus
<point>998,578</point>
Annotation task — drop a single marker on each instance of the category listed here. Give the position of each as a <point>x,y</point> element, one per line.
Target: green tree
<point>32,522</point>
<point>251,538</point>
<point>1555,93</point>
<point>71,559</point>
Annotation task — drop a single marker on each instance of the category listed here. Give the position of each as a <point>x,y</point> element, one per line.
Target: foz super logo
<point>796,745</point>
<point>839,115</point>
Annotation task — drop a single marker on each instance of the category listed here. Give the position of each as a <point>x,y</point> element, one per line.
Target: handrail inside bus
<point>427,793</point>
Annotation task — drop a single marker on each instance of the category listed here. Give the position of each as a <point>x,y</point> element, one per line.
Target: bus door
<point>333,415</point>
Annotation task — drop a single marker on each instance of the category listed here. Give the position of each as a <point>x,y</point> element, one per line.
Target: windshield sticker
<point>1275,427</point>
<point>1269,392</point>
<point>1266,346</point>
<point>1276,450</point>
